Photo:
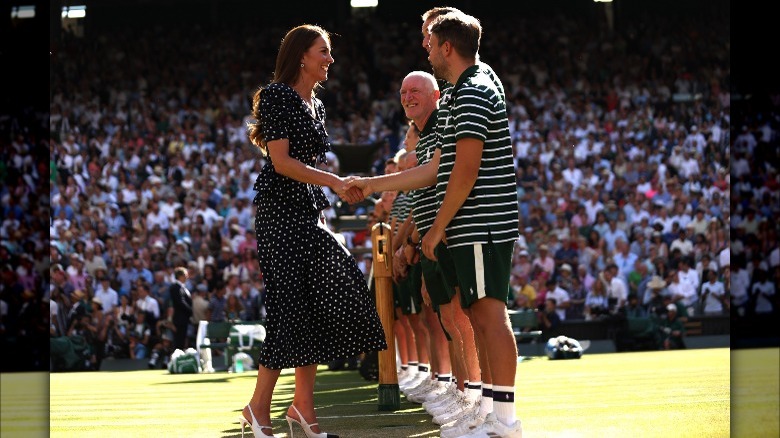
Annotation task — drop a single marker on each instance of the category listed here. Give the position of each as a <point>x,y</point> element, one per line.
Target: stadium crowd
<point>624,143</point>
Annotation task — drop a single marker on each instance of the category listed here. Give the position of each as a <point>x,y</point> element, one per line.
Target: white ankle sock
<point>504,404</point>
<point>474,390</point>
<point>486,404</point>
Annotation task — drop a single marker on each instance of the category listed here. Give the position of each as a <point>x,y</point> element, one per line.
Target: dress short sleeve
<point>273,113</point>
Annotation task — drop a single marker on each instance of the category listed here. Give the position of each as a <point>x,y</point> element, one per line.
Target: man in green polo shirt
<point>419,97</point>
<point>478,214</point>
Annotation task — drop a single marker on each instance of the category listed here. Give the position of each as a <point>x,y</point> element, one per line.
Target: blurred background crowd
<point>625,147</point>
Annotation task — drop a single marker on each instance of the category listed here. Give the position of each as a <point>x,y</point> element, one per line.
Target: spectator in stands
<point>624,260</point>
<point>522,267</point>
<point>139,336</point>
<point>148,305</point>
<point>234,310</point>
<point>671,330</point>
<point>80,306</point>
<point>682,243</point>
<point>549,319</point>
<point>659,248</point>
<point>762,292</point>
<point>82,325</point>
<point>617,290</point>
<point>682,292</point>
<point>633,308</point>
<point>108,297</point>
<point>688,275</point>
<point>126,274</point>
<point>543,264</point>
<point>597,301</point>
<point>524,294</point>
<point>704,264</point>
<point>235,269</point>
<point>567,253</point>
<point>577,297</point>
<point>160,289</point>
<point>161,351</point>
<point>200,304</point>
<point>249,299</point>
<point>560,296</point>
<point>217,304</point>
<point>713,294</point>
<point>740,283</point>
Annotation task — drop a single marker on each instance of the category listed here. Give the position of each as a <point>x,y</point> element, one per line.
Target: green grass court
<point>689,393</point>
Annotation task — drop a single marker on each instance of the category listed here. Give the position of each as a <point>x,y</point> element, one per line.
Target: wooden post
<point>389,395</point>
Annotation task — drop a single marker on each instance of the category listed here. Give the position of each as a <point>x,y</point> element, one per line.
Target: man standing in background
<point>181,301</point>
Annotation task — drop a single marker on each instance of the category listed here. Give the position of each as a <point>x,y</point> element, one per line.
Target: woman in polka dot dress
<point>317,302</point>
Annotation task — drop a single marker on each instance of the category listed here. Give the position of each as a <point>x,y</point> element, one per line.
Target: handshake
<point>352,189</point>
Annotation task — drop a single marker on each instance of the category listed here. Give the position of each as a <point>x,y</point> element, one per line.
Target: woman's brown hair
<point>294,44</point>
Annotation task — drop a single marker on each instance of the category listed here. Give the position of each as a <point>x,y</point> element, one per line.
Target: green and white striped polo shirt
<point>424,199</point>
<point>476,108</point>
<point>400,208</point>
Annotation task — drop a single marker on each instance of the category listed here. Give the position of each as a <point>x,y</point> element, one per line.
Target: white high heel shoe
<point>257,429</point>
<point>305,426</point>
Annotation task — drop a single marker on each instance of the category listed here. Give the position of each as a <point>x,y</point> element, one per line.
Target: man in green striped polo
<point>478,214</point>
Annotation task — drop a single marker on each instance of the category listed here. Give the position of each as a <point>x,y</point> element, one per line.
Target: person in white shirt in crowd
<point>774,258</point>
<point>682,243</point>
<point>573,175</point>
<point>245,189</point>
<point>147,304</point>
<point>624,259</point>
<point>107,295</point>
<point>687,274</point>
<point>169,205</point>
<point>695,140</point>
<point>61,223</point>
<point>593,206</point>
<point>616,288</point>
<point>682,214</point>
<point>724,258</point>
<point>612,235</point>
<point>689,165</point>
<point>682,292</point>
<point>209,214</point>
<point>561,297</point>
<point>700,222</point>
<point>662,217</point>
<point>713,294</point>
<point>156,217</point>
<point>763,292</point>
<point>740,281</point>
<point>706,264</point>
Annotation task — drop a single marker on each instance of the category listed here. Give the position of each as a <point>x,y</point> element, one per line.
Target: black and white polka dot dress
<point>317,302</point>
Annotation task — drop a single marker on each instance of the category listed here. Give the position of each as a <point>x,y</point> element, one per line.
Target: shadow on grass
<point>347,405</point>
